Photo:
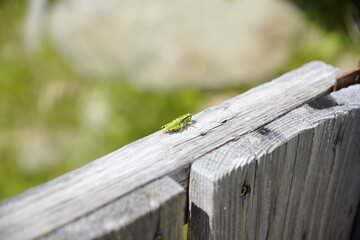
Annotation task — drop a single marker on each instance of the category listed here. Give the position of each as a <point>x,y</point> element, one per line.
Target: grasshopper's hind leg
<point>182,125</point>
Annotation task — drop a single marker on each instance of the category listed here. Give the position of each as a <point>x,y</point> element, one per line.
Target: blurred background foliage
<point>53,120</point>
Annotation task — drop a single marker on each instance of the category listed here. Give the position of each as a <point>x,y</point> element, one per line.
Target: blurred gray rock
<point>34,24</point>
<point>169,44</point>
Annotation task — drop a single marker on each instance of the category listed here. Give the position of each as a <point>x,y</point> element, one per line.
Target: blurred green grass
<point>60,121</point>
<point>53,120</point>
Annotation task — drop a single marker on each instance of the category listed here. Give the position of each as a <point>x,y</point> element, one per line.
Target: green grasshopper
<point>178,123</point>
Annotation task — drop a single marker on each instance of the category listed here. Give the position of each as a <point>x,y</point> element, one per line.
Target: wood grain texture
<point>303,170</point>
<point>73,195</point>
<point>156,209</point>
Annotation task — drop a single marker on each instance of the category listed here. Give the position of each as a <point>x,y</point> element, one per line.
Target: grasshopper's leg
<point>192,124</point>
<point>181,126</point>
<point>175,129</point>
<point>184,124</point>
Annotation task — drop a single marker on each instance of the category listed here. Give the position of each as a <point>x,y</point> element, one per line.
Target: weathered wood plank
<point>156,209</point>
<point>58,202</point>
<point>303,170</point>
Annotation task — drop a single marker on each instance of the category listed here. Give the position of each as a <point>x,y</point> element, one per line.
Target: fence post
<point>297,177</point>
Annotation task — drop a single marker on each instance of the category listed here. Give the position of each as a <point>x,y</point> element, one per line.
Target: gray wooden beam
<point>76,194</point>
<point>155,210</point>
<point>302,171</point>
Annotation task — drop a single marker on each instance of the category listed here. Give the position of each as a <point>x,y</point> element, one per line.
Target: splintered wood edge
<point>216,179</point>
<point>31,214</point>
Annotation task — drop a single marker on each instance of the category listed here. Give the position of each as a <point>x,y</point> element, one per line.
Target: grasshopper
<point>178,123</point>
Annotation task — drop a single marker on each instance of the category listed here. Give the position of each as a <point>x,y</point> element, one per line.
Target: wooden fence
<point>281,161</point>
